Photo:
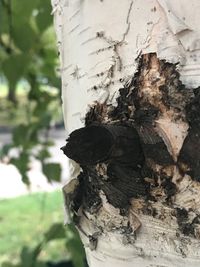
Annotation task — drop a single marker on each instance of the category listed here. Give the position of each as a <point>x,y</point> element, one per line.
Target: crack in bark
<point>127,22</point>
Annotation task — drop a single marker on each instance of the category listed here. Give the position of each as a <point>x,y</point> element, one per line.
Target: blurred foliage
<point>28,57</point>
<point>30,256</point>
<point>24,219</point>
<point>29,60</point>
<point>32,232</point>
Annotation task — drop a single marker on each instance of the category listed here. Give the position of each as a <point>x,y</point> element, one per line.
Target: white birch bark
<point>99,42</point>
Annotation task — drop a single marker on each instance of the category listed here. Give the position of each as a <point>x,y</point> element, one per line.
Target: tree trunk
<point>130,76</point>
<point>12,95</point>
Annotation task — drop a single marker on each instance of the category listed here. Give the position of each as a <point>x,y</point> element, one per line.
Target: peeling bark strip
<point>128,157</point>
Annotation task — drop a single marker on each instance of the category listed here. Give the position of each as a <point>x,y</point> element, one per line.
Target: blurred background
<point>32,167</point>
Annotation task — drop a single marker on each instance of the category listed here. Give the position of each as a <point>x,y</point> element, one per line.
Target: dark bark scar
<point>120,149</point>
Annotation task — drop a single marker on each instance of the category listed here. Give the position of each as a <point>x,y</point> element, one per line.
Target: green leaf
<point>26,136</point>
<point>50,56</point>
<point>22,164</point>
<point>43,154</point>
<point>23,9</point>
<point>24,37</point>
<point>44,18</point>
<point>26,257</point>
<point>5,149</point>
<point>29,256</point>
<point>45,120</point>
<point>14,67</point>
<point>48,38</point>
<point>56,231</point>
<point>52,171</point>
<point>4,18</point>
<point>19,135</point>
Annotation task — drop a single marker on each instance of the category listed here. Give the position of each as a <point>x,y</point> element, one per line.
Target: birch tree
<point>130,75</point>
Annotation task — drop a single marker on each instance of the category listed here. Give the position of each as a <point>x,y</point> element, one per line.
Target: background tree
<point>29,77</point>
<point>130,77</point>
<point>28,59</point>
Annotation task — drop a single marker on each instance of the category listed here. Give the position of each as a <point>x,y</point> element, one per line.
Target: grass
<point>24,220</point>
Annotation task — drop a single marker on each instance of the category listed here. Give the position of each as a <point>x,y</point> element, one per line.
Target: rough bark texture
<point>135,192</point>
